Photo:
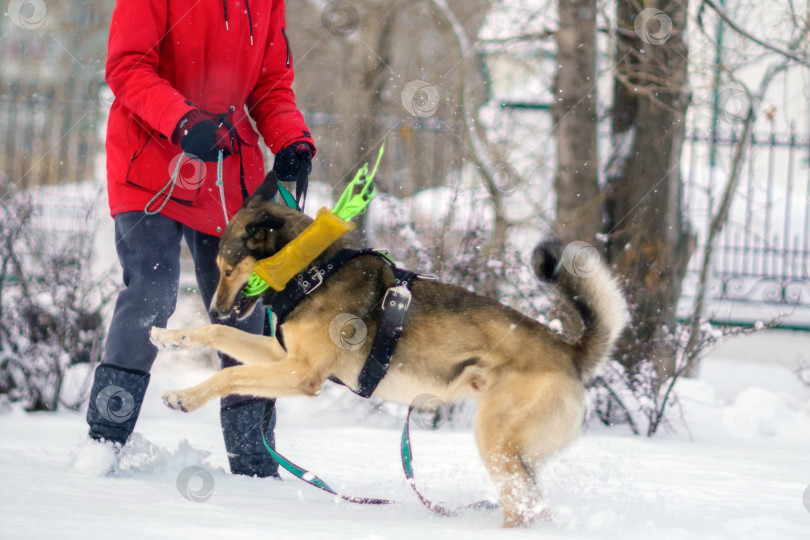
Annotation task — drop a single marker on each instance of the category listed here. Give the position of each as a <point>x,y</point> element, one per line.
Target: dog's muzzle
<point>242,307</point>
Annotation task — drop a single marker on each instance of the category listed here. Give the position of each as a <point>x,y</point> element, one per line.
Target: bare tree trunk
<point>370,55</point>
<point>579,204</point>
<point>366,74</point>
<point>650,242</point>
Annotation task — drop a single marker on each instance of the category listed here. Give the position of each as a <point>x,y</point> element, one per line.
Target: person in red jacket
<point>187,77</point>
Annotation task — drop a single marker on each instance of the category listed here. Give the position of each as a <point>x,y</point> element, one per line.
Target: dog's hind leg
<point>521,421</point>
<point>249,349</point>
<point>497,432</point>
<point>286,378</point>
<point>513,477</point>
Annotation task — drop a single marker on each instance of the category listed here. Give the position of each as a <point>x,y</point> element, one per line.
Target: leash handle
<point>168,185</point>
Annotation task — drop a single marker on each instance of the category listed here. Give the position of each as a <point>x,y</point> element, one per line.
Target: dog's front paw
<point>175,339</point>
<point>179,400</point>
<point>162,338</point>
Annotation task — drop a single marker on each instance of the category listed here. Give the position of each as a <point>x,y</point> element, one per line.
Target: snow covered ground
<point>737,468</point>
<point>738,471</point>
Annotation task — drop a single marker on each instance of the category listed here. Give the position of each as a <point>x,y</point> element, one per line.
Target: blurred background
<point>670,138</point>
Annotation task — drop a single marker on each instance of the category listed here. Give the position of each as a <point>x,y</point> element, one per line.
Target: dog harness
<point>395,303</point>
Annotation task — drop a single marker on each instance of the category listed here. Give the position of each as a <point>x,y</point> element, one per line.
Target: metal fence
<point>50,136</point>
<point>761,263</point>
<point>419,151</point>
<point>760,268</point>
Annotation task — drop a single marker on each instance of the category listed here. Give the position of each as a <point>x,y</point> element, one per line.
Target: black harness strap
<point>395,305</point>
<point>303,284</point>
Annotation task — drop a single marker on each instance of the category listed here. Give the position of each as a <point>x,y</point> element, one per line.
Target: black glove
<point>203,135</point>
<point>293,164</point>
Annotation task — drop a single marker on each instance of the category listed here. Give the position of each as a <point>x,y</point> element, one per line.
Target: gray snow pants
<point>148,248</point>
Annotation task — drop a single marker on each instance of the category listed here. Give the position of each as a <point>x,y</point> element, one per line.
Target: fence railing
<point>50,136</point>
<point>761,263</point>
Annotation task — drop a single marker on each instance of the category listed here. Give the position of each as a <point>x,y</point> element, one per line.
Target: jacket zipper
<point>287,40</point>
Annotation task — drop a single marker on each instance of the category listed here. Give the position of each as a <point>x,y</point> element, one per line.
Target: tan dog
<point>527,380</point>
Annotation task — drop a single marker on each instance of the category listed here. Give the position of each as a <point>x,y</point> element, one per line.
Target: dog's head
<point>258,230</point>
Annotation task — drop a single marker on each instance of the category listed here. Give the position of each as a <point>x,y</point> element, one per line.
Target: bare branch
<point>764,44</point>
<point>721,216</point>
<point>532,36</point>
<point>482,152</point>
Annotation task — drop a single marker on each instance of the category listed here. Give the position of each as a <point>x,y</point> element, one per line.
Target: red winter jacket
<point>167,56</point>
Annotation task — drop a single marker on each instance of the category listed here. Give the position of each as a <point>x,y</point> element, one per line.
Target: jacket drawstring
<point>250,20</point>
<point>250,17</point>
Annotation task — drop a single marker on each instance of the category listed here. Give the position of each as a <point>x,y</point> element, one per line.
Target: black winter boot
<point>115,402</point>
<point>243,422</point>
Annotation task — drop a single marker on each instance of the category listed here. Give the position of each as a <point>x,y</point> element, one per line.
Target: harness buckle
<point>316,275</point>
<point>384,254</point>
<point>398,297</point>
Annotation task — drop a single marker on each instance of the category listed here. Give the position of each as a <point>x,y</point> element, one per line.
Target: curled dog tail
<point>585,279</point>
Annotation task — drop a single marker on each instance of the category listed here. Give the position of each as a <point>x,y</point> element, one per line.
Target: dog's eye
<point>228,273</point>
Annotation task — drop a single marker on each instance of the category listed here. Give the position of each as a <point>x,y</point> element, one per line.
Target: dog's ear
<point>256,231</point>
<point>265,221</point>
<point>267,189</point>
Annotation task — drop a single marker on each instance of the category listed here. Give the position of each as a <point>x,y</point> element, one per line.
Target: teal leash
<point>221,187</point>
<point>289,200</point>
<point>407,465</point>
<point>313,480</point>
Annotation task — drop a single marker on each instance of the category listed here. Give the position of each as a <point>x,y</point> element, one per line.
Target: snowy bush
<point>618,397</point>
<point>50,307</point>
<point>803,373</point>
<point>641,398</point>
